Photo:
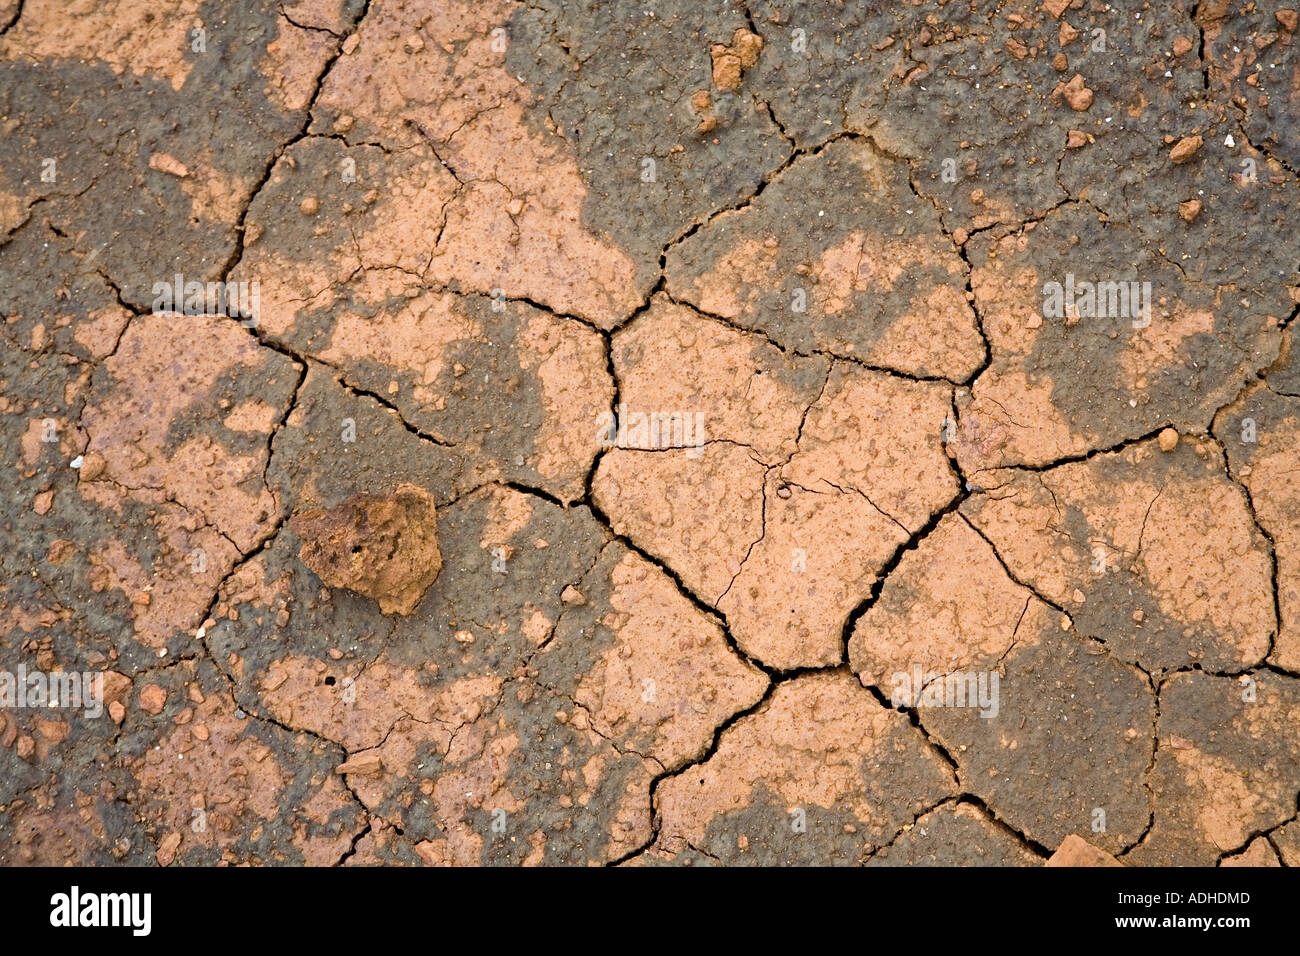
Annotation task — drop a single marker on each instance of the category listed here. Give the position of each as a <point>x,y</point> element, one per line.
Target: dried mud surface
<point>634,398</point>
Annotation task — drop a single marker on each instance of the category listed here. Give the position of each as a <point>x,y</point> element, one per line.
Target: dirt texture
<point>656,433</point>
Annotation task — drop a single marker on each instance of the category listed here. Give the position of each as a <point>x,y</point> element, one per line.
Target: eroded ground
<point>653,433</point>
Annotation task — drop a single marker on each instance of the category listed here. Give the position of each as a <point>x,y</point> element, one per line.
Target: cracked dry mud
<point>637,395</point>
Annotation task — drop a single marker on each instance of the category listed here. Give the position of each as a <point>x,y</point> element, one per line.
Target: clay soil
<point>650,432</point>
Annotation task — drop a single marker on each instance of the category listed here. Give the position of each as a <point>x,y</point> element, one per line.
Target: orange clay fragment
<point>384,547</point>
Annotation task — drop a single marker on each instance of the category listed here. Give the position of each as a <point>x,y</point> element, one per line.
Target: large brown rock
<point>382,546</point>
